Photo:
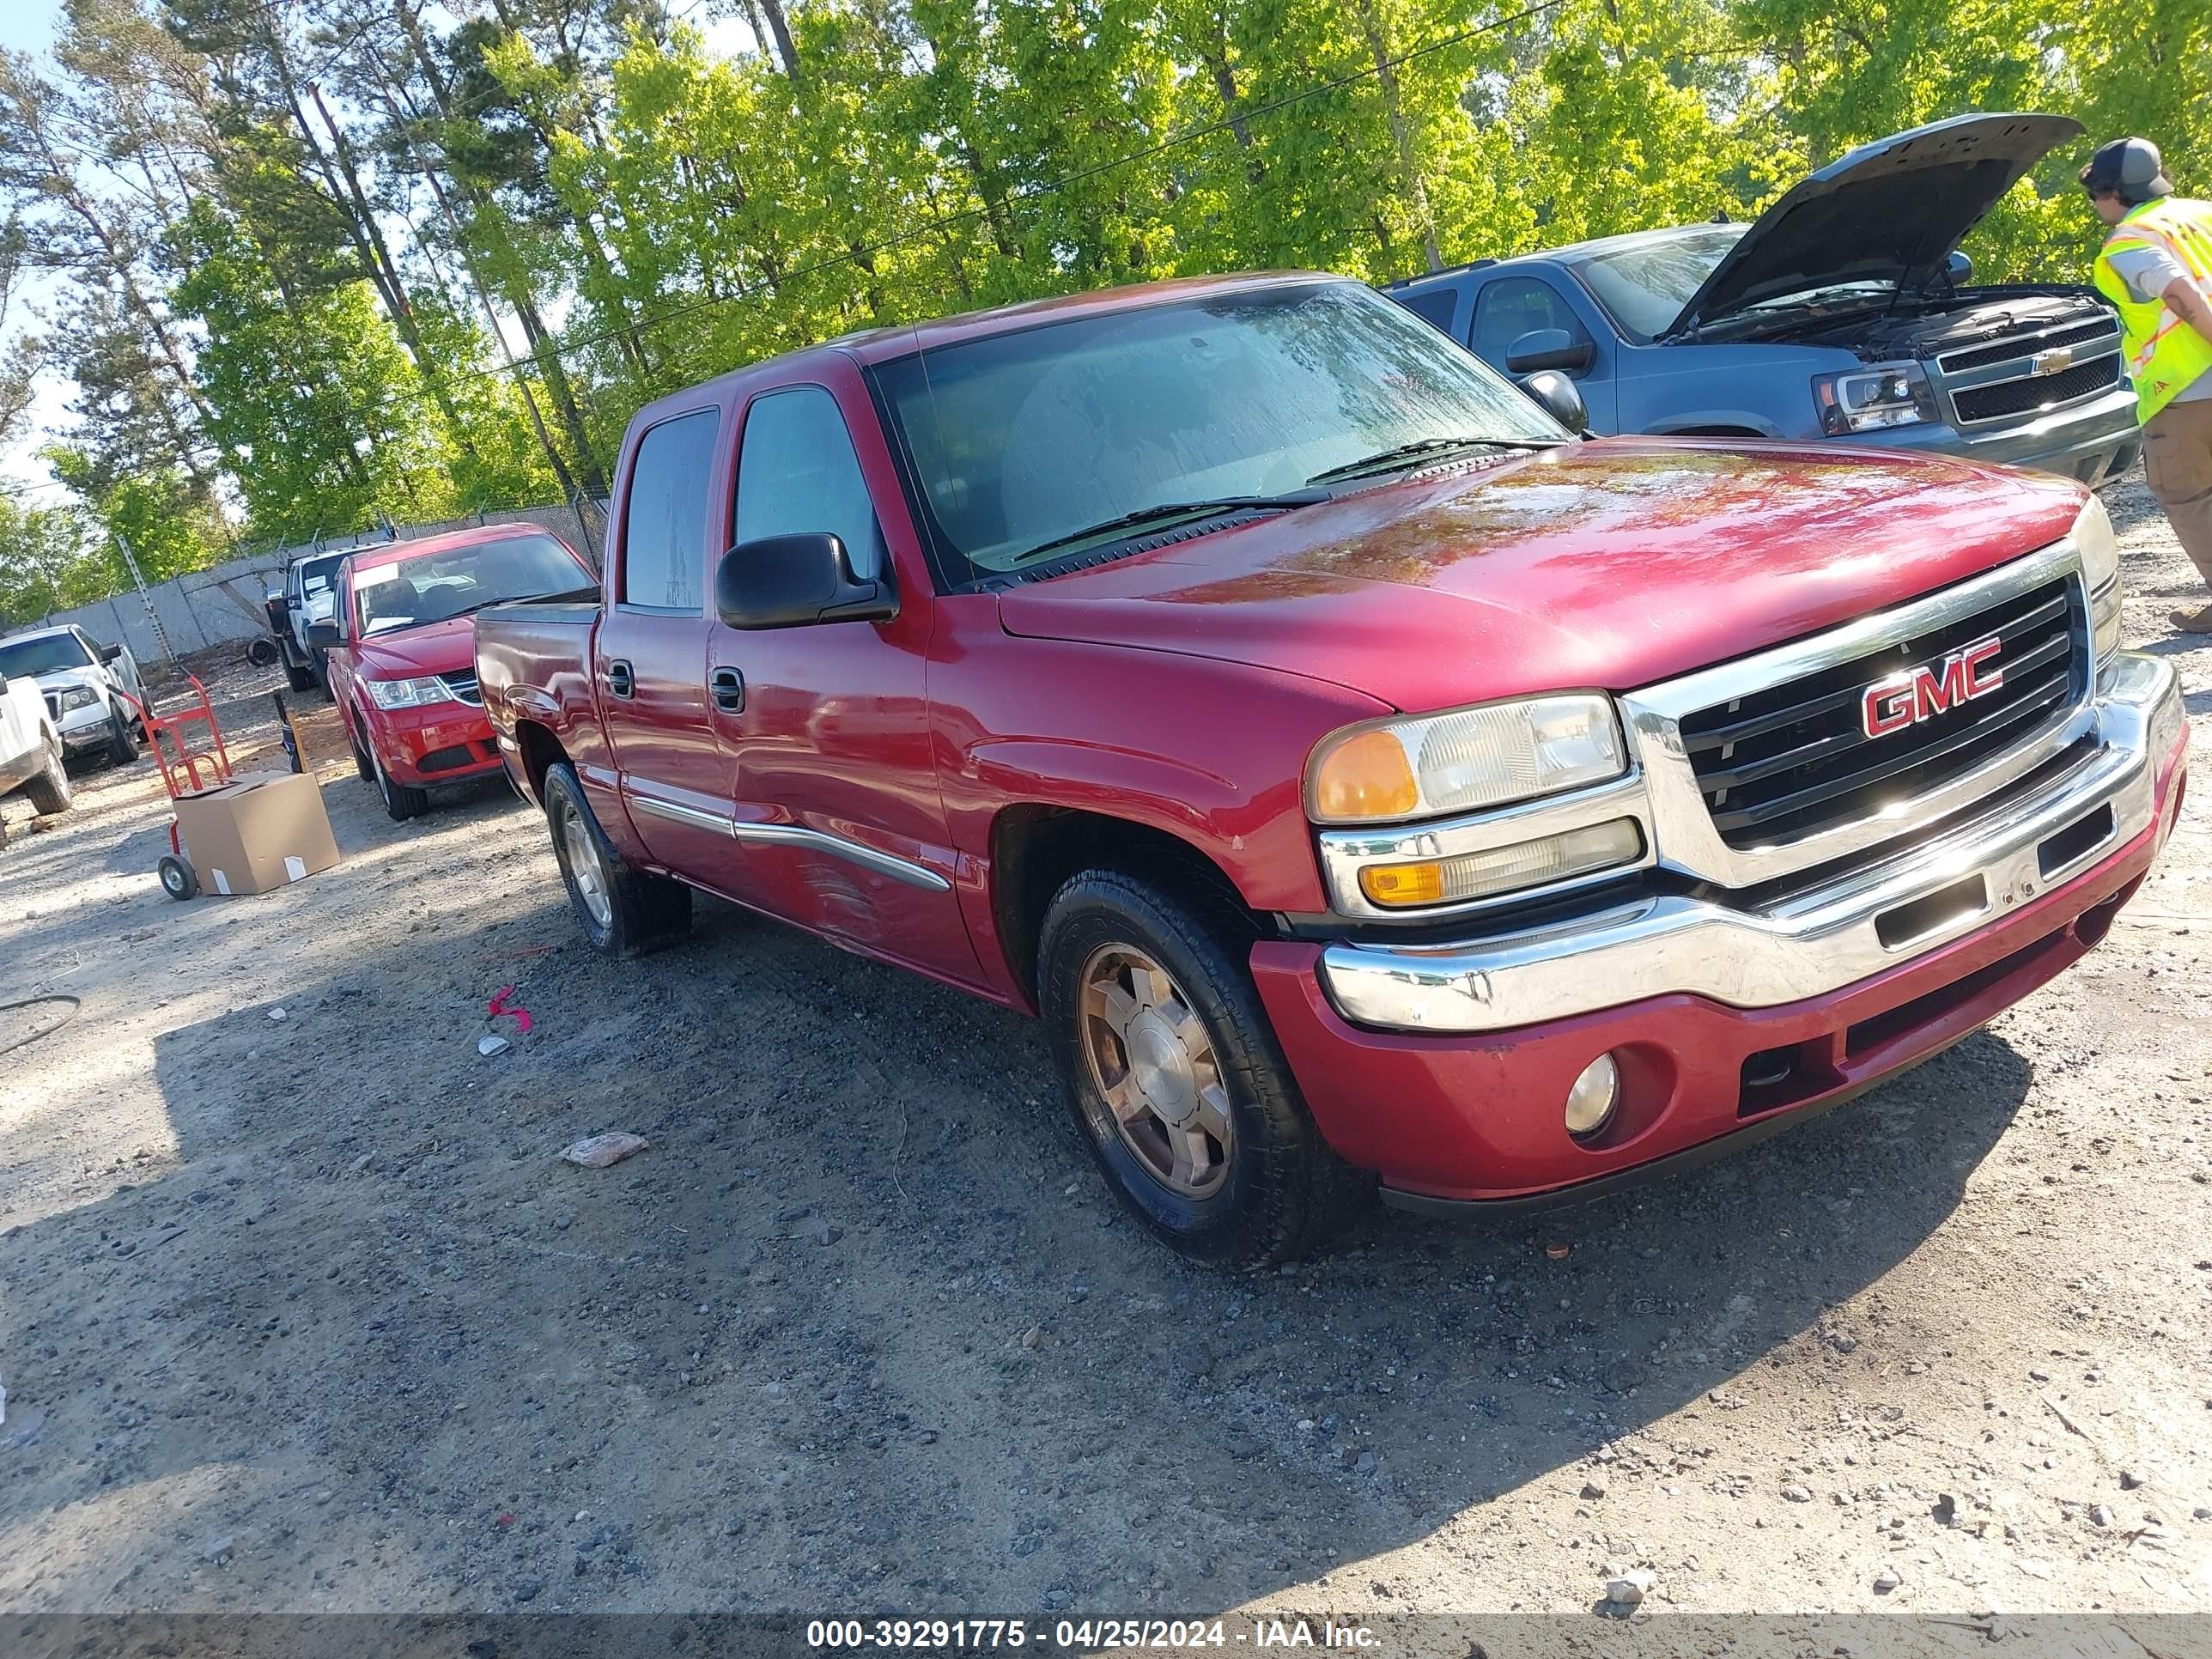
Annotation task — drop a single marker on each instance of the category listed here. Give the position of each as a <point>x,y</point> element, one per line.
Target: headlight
<point>407,694</point>
<point>1867,399</point>
<point>78,696</point>
<point>1469,758</point>
<point>2100,567</point>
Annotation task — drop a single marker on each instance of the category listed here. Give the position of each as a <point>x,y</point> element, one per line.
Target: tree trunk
<point>376,257</point>
<point>780,27</point>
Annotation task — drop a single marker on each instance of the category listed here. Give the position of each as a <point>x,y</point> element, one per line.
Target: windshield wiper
<point>1163,510</point>
<point>1388,457</point>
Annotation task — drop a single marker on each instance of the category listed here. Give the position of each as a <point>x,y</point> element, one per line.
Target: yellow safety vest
<point>2165,355</point>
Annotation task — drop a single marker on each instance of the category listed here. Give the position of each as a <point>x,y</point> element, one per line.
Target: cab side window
<point>798,475</point>
<point>664,545</point>
<point>1511,307</point>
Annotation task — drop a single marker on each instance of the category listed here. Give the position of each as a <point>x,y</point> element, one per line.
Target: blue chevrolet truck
<point>1846,312</point>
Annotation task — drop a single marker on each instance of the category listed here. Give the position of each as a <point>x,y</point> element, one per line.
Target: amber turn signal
<point>1368,777</point>
<point>1396,886</point>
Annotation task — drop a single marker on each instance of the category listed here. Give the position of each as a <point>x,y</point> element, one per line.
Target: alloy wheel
<point>582,855</point>
<point>1154,1066</point>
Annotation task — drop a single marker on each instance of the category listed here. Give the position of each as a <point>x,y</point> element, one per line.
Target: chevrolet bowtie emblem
<point>2051,362</point>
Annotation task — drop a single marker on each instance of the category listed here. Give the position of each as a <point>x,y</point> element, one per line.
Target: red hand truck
<point>181,766</point>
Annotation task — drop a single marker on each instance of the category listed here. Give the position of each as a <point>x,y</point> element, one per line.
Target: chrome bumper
<point>1813,941</point>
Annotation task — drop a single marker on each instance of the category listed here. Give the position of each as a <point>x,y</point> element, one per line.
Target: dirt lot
<point>303,1314</point>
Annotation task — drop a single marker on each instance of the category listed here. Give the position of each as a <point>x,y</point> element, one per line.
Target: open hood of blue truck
<point>1889,212</point>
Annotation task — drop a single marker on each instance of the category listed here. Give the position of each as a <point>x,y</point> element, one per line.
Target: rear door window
<point>798,475</point>
<point>1435,306</point>
<point>1513,306</point>
<point>665,513</point>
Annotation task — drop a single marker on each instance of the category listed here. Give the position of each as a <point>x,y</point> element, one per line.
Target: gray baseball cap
<point>2128,167</point>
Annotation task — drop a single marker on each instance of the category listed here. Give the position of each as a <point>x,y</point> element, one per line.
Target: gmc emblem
<point>1928,689</point>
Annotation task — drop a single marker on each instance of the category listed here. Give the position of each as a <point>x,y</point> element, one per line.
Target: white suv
<point>84,686</point>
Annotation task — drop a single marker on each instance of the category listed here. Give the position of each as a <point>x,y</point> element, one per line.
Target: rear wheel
<point>122,742</point>
<point>49,792</point>
<point>623,911</point>
<point>402,801</point>
<point>1175,1078</point>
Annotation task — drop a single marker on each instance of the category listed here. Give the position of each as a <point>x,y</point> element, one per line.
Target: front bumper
<point>2094,442</point>
<point>440,742</point>
<point>1821,987</point>
<point>81,729</point>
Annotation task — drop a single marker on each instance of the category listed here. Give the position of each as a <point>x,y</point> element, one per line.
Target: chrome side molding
<point>795,834</point>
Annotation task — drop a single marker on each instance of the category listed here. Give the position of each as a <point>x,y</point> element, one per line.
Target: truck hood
<point>1889,211</point>
<point>1608,565</point>
<point>61,679</point>
<point>439,647</point>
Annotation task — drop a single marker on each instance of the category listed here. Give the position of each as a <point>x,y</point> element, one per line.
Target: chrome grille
<point>462,684</point>
<point>2026,345</point>
<point>1793,760</point>
<point>1999,380</point>
<point>2018,397</point>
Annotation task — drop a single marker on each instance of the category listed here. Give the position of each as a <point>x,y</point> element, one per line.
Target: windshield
<point>1646,286</point>
<point>1024,438</point>
<point>405,593</point>
<point>48,653</point>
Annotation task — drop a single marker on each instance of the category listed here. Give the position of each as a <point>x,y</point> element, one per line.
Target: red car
<point>402,651</point>
<point>1366,780</point>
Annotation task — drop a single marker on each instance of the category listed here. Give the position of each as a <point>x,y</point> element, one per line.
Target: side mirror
<point>109,653</point>
<point>1958,268</point>
<point>793,581</point>
<point>291,601</point>
<point>1547,347</point>
<point>322,636</point>
<point>1559,398</point>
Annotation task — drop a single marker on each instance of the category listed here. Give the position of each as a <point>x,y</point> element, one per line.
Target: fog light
<point>1591,1099</point>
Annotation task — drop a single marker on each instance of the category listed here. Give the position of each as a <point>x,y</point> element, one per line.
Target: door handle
<point>727,687</point>
<point>620,680</point>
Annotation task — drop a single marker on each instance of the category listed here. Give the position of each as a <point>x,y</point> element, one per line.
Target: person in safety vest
<point>2156,267</point>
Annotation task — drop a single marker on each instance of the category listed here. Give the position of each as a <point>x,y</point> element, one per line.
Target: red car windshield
<point>391,593</point>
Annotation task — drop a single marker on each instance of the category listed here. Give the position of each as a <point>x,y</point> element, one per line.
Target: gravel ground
<point>304,1314</point>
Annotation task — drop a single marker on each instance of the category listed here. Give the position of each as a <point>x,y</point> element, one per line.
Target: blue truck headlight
<point>1870,399</point>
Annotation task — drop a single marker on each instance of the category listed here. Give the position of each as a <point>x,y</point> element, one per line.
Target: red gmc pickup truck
<point>1367,781</point>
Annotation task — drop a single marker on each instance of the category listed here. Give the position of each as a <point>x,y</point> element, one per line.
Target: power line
<point>1206,130</point>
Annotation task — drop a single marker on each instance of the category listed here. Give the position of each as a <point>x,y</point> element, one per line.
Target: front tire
<point>1175,1078</point>
<point>623,911</point>
<point>122,742</point>
<point>299,679</point>
<point>49,792</point>
<point>361,761</point>
<point>402,801</point>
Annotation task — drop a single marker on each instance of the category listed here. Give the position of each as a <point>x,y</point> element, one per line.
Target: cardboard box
<point>257,832</point>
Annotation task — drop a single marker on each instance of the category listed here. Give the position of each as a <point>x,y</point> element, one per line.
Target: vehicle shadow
<point>861,1328</point>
